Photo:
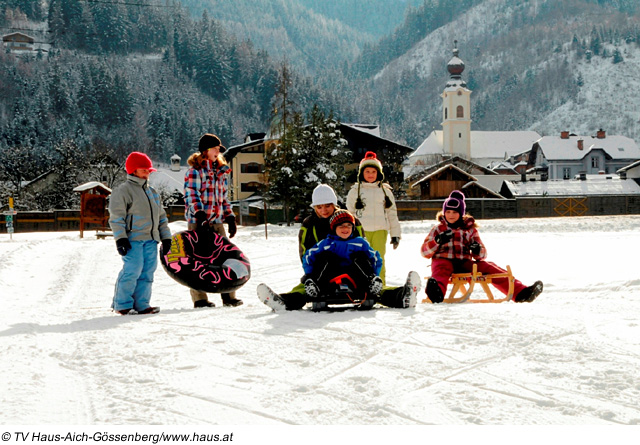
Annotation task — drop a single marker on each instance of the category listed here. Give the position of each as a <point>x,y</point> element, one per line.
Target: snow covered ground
<point>570,358</point>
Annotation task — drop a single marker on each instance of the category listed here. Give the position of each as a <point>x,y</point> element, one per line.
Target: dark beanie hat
<point>339,217</point>
<point>455,201</point>
<point>208,141</point>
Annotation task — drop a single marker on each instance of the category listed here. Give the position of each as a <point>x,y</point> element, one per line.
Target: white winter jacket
<point>374,216</point>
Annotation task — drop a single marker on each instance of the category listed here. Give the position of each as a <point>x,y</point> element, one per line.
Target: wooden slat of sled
<point>464,284</point>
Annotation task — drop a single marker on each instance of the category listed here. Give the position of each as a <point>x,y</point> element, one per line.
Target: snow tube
<point>206,261</point>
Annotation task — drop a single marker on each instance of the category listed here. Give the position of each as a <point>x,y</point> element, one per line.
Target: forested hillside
<point>314,35</point>
<point>122,76</point>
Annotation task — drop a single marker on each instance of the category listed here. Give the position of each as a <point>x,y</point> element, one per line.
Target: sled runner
<point>464,284</point>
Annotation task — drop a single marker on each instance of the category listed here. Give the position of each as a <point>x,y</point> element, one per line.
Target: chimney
<point>580,144</point>
<point>564,135</point>
<point>601,134</point>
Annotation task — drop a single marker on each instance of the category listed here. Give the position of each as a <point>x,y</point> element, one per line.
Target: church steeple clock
<point>456,110</point>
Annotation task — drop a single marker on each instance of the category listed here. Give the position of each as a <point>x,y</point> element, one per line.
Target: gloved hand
<point>201,218</point>
<point>123,245</point>
<point>474,248</point>
<point>166,246</point>
<point>444,237</point>
<point>359,204</point>
<point>231,222</point>
<point>395,241</point>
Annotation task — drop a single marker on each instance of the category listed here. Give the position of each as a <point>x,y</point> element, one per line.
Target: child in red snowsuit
<point>454,245</point>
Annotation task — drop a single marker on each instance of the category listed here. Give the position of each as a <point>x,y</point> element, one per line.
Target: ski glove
<point>395,241</point>
<point>123,245</point>
<point>444,237</point>
<point>474,248</point>
<point>231,222</point>
<point>166,246</point>
<point>201,218</point>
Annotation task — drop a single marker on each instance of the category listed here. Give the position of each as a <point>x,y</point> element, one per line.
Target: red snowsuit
<point>455,257</point>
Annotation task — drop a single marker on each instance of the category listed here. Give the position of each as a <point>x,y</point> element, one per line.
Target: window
<point>250,186</point>
<point>595,162</point>
<point>251,167</point>
<point>459,135</point>
<point>460,111</point>
<point>446,113</point>
<point>566,173</point>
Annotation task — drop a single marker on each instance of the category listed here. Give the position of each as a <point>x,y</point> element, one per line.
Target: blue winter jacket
<point>344,249</point>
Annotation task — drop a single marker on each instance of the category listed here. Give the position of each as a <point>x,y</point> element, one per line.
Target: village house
<point>568,155</point>
<point>247,159</point>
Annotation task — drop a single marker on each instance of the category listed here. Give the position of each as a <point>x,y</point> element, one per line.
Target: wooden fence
<point>69,220</point>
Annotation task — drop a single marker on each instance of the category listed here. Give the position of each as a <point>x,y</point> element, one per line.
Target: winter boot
<point>311,288</point>
<point>434,292</point>
<point>375,286</point>
<point>230,301</point>
<point>410,290</point>
<point>150,310</point>
<point>270,298</point>
<point>125,311</point>
<point>203,303</point>
<point>528,294</point>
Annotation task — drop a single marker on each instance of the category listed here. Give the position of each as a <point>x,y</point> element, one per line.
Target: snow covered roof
<point>165,178</point>
<point>629,167</point>
<point>575,187</point>
<point>484,144</point>
<point>91,185</point>
<point>618,147</point>
<point>442,169</point>
<point>367,128</point>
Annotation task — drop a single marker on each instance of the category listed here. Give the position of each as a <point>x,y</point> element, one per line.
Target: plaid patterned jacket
<point>206,189</point>
<point>458,247</point>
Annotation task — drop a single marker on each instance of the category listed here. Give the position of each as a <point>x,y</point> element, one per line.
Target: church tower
<point>456,110</point>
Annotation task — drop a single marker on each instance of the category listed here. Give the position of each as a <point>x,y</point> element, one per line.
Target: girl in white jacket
<point>372,202</point>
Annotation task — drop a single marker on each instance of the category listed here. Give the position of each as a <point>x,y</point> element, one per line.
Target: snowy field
<point>570,358</point>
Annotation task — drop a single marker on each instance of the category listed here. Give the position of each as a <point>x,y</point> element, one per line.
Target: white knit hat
<point>323,194</point>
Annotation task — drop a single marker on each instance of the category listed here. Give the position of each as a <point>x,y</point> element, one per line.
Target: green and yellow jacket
<point>314,229</point>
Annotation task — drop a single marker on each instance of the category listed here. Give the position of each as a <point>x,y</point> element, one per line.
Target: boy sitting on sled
<point>342,254</point>
<point>454,245</point>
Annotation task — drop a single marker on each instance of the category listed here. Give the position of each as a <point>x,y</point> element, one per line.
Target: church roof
<point>484,144</point>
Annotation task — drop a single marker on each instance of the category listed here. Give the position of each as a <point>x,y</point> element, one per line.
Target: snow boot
<point>528,294</point>
<point>270,298</point>
<point>411,288</point>
<point>126,311</point>
<point>150,310</point>
<point>434,292</point>
<point>311,288</point>
<point>229,301</point>
<point>203,303</point>
<point>375,286</point>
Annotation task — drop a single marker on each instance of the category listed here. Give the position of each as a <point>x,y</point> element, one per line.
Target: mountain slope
<point>526,63</point>
<point>311,34</point>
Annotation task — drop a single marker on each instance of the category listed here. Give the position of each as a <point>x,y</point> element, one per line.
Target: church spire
<point>455,68</point>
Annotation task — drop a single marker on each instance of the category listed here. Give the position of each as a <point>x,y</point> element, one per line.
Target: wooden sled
<point>464,283</point>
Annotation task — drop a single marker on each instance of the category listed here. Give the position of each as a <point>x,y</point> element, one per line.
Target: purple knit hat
<point>455,201</point>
